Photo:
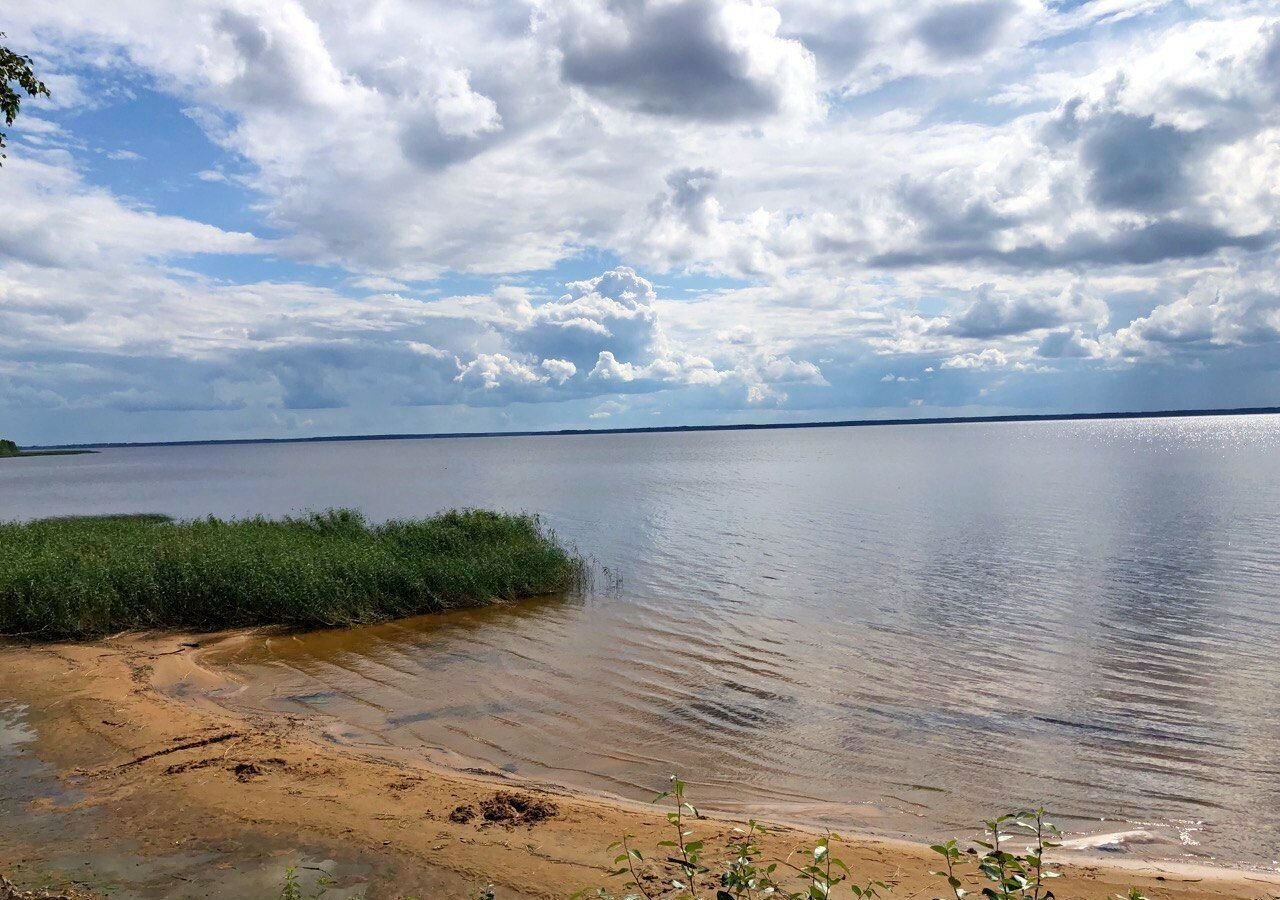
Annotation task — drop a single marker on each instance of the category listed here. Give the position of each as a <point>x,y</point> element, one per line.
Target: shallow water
<point>50,837</point>
<point>900,629</point>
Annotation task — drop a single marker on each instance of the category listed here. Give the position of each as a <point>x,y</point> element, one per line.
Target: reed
<point>89,576</point>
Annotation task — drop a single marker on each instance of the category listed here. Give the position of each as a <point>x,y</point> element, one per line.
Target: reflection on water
<point>900,629</point>
<point>14,731</point>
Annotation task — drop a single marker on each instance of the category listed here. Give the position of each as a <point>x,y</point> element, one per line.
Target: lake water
<point>900,629</point>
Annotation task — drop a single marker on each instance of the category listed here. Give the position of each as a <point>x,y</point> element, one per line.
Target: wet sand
<point>121,772</point>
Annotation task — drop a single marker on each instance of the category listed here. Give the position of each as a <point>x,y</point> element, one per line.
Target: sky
<point>272,218</point>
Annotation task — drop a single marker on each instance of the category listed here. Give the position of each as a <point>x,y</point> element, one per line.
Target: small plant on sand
<point>1009,875</point>
<point>292,889</point>
<point>997,867</point>
<point>743,875</point>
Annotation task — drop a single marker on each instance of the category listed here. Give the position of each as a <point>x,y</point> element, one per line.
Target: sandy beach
<point>130,731</point>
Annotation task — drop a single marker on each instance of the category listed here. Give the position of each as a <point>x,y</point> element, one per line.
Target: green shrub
<point>90,576</point>
<point>989,868</point>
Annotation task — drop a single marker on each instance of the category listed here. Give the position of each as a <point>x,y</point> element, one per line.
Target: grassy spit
<point>10,449</point>
<point>86,577</point>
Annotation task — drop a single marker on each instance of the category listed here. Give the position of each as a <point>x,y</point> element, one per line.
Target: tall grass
<point>85,577</point>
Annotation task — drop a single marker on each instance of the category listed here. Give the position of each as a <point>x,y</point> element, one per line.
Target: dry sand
<point>130,730</point>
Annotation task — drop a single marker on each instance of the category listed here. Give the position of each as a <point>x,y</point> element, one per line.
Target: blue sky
<point>251,219</point>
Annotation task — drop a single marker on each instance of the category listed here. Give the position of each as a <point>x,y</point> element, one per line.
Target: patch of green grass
<point>9,449</point>
<point>89,576</point>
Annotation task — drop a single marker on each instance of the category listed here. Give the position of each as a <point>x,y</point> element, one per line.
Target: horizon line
<point>660,429</point>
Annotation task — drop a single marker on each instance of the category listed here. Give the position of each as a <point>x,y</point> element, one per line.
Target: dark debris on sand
<point>10,891</point>
<point>507,808</point>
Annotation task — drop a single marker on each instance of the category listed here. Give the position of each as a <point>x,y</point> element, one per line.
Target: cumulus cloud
<point>812,191</point>
<point>711,60</point>
<point>607,409</point>
<point>964,29</point>
<point>1136,163</point>
<point>454,122</point>
<point>1204,320</point>
<point>1124,244</point>
<point>989,358</point>
<point>101,329</point>
<point>994,313</point>
<point>559,370</point>
<point>612,314</point>
<point>55,219</point>
<point>688,227</point>
<point>1068,345</point>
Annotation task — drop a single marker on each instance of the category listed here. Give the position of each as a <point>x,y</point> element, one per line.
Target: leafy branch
<point>16,79</point>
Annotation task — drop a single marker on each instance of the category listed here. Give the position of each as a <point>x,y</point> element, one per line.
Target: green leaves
<point>1001,872</point>
<point>743,876</point>
<point>15,69</point>
<point>291,889</point>
<point>1009,876</point>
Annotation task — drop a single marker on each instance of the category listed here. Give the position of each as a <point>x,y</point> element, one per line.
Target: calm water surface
<point>899,629</point>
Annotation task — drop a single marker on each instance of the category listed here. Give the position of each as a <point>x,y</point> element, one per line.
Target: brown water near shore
<point>124,775</point>
<point>477,688</point>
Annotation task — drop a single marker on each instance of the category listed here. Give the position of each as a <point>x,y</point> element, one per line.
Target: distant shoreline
<point>69,450</point>
<point>665,429</point>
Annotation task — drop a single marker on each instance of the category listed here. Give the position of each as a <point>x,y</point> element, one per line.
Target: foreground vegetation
<point>1007,863</point>
<point>86,577</point>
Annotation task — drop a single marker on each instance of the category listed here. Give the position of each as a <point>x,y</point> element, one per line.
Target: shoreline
<point>686,429</point>
<point>24,454</point>
<point>132,725</point>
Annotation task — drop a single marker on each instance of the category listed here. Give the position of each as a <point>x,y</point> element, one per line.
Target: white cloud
<point>1094,186</point>
<point>994,313</point>
<point>559,370</point>
<point>607,409</point>
<point>494,370</point>
<point>1209,318</point>
<point>986,359</point>
<point>709,60</point>
<point>54,218</point>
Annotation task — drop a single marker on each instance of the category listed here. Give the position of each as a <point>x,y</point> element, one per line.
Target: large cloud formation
<point>708,60</point>
<point>799,207</point>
